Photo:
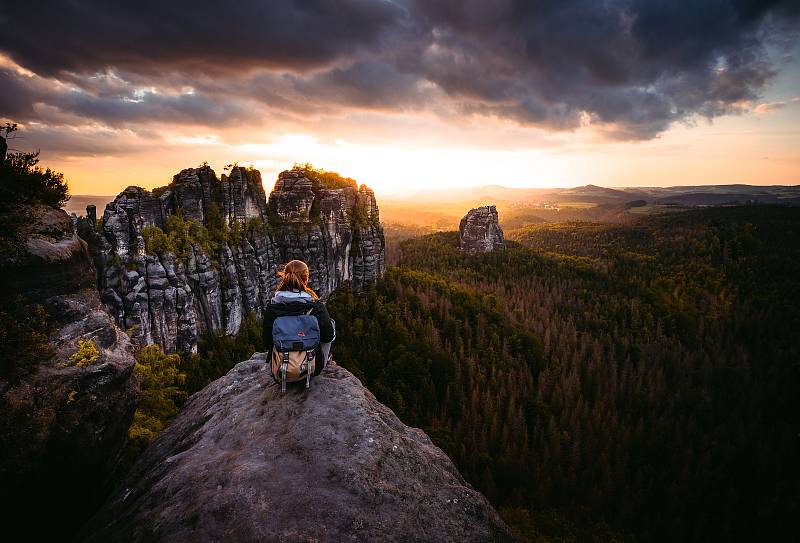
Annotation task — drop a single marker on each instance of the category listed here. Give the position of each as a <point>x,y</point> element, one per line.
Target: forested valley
<point>597,382</point>
<point>602,382</point>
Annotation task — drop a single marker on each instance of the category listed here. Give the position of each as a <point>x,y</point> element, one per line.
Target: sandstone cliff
<point>244,463</point>
<point>62,426</point>
<point>480,232</point>
<point>171,297</point>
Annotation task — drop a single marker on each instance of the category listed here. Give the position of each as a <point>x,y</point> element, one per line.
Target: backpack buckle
<point>309,358</point>
<point>284,368</point>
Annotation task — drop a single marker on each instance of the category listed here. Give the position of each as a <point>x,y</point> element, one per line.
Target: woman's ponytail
<point>294,277</point>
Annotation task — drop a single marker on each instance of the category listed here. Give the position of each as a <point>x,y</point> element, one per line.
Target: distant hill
<point>594,194</point>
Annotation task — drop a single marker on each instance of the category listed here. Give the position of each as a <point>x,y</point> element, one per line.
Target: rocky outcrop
<point>171,297</point>
<point>62,426</point>
<point>244,463</point>
<point>335,230</point>
<point>480,232</point>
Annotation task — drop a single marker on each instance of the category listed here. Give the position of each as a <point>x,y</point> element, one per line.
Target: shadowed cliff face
<point>170,297</point>
<point>244,463</point>
<point>62,426</point>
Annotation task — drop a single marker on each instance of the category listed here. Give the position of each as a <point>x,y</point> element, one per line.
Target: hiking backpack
<point>296,339</point>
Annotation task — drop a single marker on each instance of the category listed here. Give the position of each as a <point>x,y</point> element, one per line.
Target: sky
<point>407,95</point>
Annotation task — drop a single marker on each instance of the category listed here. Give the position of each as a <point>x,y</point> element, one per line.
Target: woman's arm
<point>324,320</point>
<point>266,332</point>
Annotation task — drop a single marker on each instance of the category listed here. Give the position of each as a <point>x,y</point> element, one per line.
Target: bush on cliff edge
<point>23,183</point>
<point>161,381</point>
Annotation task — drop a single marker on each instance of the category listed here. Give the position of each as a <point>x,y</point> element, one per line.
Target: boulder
<point>480,232</point>
<point>243,462</point>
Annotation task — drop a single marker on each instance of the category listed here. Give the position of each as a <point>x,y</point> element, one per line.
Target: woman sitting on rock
<point>294,297</point>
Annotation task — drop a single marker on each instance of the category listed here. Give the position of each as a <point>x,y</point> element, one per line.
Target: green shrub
<point>161,381</point>
<point>185,233</point>
<point>86,355</point>
<point>181,235</point>
<point>329,180</point>
<point>156,241</point>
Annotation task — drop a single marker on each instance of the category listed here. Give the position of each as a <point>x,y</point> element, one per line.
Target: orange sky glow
<point>398,152</point>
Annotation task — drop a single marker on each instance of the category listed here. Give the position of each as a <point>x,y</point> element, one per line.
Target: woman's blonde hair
<point>294,277</point>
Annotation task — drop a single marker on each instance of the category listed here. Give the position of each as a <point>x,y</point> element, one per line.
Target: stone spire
<point>480,231</point>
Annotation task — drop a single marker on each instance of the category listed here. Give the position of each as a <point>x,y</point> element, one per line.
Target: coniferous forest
<point>597,382</point>
<point>602,382</point>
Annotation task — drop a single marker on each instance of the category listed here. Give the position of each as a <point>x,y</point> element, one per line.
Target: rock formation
<point>244,463</point>
<point>170,298</point>
<point>480,232</point>
<point>61,426</point>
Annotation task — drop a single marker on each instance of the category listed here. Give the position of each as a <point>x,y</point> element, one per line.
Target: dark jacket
<point>294,303</point>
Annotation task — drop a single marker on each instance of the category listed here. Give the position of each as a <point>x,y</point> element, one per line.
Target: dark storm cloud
<point>365,84</point>
<point>640,64</point>
<point>88,35</point>
<point>632,66</point>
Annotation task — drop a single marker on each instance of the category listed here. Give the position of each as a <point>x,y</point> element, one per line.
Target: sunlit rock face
<point>62,425</point>
<point>244,462</point>
<point>210,285</point>
<point>480,232</point>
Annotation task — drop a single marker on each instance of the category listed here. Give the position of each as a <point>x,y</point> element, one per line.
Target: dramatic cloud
<point>629,68</point>
<point>149,36</point>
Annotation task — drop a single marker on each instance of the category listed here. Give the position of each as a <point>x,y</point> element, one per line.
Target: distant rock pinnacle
<point>480,231</point>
